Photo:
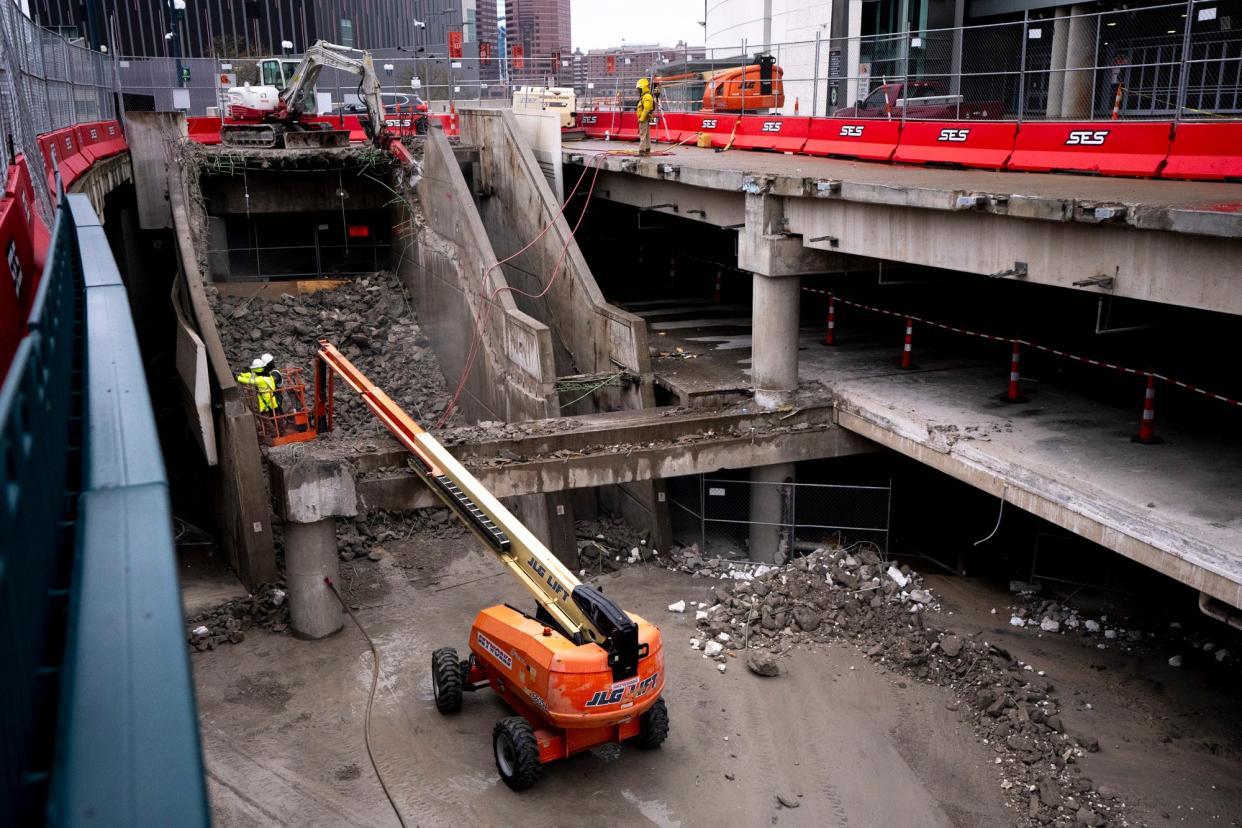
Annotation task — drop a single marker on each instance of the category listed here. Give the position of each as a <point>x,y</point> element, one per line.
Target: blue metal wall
<point>96,701</point>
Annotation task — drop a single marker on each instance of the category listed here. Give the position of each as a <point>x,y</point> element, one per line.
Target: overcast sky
<point>601,23</point>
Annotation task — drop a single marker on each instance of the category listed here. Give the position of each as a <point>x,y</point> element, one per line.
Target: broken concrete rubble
<point>1014,708</point>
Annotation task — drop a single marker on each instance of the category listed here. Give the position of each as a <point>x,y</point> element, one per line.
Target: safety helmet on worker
<point>257,364</point>
<point>267,360</point>
<point>642,84</point>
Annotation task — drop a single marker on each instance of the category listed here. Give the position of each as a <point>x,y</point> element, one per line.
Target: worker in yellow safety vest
<point>264,385</point>
<point>646,108</point>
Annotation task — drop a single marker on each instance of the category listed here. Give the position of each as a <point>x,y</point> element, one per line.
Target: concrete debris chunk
<point>762,663</point>
<point>921,595</point>
<point>788,800</point>
<point>1175,661</point>
<point>951,645</point>
<point>678,606</point>
<point>1017,621</point>
<point>712,649</point>
<point>1050,625</point>
<point>898,577</point>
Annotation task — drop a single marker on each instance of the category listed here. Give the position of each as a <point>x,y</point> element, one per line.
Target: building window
<point>469,33</point>
<point>347,32</point>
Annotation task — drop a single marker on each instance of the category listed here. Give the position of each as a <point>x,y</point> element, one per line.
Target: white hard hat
<point>256,363</point>
<point>268,359</point>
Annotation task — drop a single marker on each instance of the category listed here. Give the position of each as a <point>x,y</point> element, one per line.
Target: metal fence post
<point>1184,78</point>
<point>905,69</point>
<point>1026,19</point>
<point>815,82</point>
<point>1095,62</point>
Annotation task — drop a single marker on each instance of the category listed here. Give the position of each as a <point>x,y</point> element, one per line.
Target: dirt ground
<point>842,738</point>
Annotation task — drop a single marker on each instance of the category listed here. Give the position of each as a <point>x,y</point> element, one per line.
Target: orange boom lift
<point>578,672</point>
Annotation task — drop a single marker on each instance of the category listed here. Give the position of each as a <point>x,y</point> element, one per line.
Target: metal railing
<point>807,516</point>
<point>97,704</point>
<point>1172,61</point>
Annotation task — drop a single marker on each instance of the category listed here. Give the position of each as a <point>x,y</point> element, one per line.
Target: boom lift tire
<point>517,752</point>
<point>446,680</point>
<point>653,726</point>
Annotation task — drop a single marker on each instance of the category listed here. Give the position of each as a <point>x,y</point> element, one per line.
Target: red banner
<point>454,44</point>
<point>612,64</point>
<point>518,61</point>
<point>485,52</point>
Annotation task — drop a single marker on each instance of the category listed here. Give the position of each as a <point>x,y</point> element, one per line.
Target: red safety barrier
<point>599,124</point>
<point>19,186</point>
<point>89,136</point>
<point>1120,148</point>
<point>14,294</point>
<point>719,127</point>
<point>113,141</point>
<point>772,133</point>
<point>667,128</point>
<point>1209,152</point>
<point>874,140</point>
<point>985,144</point>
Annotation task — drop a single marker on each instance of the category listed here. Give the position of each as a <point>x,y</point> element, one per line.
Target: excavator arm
<point>324,54</point>
<point>581,612</point>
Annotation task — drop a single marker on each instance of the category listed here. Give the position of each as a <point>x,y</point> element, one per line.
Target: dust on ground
<point>877,715</point>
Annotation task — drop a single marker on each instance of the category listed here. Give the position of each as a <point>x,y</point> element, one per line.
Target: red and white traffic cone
<point>1146,433</point>
<point>1117,101</point>
<point>716,297</point>
<point>830,336</point>
<point>905,351</point>
<point>1011,394</point>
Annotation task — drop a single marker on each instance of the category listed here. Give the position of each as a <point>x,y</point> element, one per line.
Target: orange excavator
<point>577,672</point>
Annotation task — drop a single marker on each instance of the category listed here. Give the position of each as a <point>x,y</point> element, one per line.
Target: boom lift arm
<point>581,612</point>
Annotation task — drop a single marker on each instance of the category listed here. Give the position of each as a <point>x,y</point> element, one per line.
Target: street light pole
<point>177,7</point>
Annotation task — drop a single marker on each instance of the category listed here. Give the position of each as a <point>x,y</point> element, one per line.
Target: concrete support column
<point>1056,74</point>
<point>311,556</point>
<point>771,512</point>
<point>550,518</point>
<point>774,329</point>
<point>1080,56</point>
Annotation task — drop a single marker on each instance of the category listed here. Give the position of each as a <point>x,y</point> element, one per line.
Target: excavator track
<point>264,136</point>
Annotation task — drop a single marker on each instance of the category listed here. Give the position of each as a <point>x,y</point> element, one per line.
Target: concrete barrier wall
<point>243,528</point>
<point>451,269</point>
<point>592,335</point>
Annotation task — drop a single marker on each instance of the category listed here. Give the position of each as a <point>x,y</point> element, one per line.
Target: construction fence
<point>48,83</point>
<point>726,516</point>
<point>1172,61</point>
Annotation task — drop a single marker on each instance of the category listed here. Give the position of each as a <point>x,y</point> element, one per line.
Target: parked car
<point>928,100</point>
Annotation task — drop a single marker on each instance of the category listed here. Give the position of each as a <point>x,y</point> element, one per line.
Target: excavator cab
<point>277,72</point>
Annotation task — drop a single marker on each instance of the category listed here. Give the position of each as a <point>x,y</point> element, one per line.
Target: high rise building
<point>486,20</point>
<point>542,29</point>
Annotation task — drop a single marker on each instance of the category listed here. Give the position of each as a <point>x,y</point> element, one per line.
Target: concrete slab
<point>1207,208</point>
<point>1068,459</point>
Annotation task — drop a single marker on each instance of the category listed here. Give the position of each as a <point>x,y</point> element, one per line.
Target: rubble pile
<point>267,608</point>
<point>364,536</point>
<point>759,613</point>
<point>609,543</point>
<point>369,319</point>
<point>1169,639</point>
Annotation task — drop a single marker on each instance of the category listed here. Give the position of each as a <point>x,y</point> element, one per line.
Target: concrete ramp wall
<point>452,272</point>
<point>516,203</point>
<point>591,336</point>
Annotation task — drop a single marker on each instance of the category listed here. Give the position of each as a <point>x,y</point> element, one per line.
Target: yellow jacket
<point>645,106</point>
<point>264,386</point>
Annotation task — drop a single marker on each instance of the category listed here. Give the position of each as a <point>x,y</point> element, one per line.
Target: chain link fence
<point>48,83</point>
<point>729,517</point>
<point>1171,61</point>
